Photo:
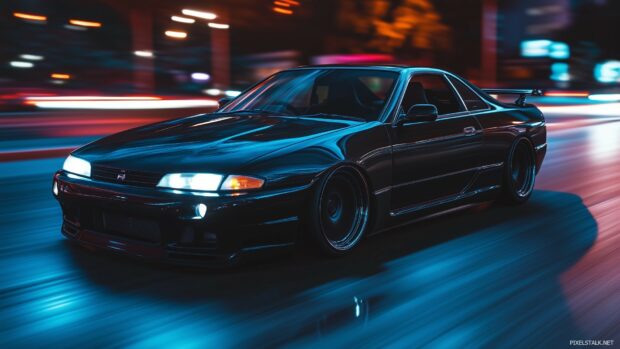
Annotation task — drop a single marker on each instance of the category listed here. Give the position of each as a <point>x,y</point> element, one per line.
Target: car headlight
<point>191,181</point>
<point>235,182</point>
<point>77,166</point>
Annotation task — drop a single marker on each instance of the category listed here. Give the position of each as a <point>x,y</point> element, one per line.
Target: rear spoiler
<point>522,93</point>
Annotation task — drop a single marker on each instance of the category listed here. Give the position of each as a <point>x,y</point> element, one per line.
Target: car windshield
<point>358,94</point>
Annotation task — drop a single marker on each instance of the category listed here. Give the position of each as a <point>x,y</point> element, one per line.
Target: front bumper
<point>162,224</point>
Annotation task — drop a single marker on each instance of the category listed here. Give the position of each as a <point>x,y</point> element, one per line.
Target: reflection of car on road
<point>327,153</point>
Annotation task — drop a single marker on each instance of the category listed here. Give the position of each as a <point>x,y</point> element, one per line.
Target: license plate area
<point>136,228</point>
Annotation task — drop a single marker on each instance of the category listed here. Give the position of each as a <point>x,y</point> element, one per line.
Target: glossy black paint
<point>413,169</point>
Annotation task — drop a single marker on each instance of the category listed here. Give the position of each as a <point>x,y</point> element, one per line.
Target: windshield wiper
<point>340,116</point>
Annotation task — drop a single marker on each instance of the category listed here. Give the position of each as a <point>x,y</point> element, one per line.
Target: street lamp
<point>83,23</point>
<point>176,34</point>
<point>218,25</point>
<point>182,19</point>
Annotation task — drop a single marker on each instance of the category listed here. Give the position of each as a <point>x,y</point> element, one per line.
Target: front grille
<point>122,176</point>
<point>70,228</point>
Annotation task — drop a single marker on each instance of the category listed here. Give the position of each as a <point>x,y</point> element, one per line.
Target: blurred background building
<point>538,275</point>
<point>218,47</point>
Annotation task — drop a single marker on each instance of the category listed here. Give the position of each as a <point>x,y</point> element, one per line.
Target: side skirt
<point>425,217</point>
<point>441,201</point>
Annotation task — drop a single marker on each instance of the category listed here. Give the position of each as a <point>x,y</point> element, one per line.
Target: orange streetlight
<point>30,17</point>
<point>176,34</point>
<point>60,76</point>
<point>83,23</point>
<point>283,11</point>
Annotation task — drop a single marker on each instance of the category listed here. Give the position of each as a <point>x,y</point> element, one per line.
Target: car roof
<point>387,67</point>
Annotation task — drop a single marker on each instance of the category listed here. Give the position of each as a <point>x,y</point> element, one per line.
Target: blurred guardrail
<point>54,127</point>
<point>55,132</point>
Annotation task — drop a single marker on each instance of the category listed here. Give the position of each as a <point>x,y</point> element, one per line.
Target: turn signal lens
<point>234,182</point>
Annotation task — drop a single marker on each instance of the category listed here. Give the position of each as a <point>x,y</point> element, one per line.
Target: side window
<point>431,89</point>
<point>471,99</point>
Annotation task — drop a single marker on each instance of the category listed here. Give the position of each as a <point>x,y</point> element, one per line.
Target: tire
<point>519,173</point>
<point>339,211</point>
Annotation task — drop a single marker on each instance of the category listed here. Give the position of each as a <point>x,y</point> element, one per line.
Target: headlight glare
<point>235,182</point>
<point>77,166</point>
<point>191,181</point>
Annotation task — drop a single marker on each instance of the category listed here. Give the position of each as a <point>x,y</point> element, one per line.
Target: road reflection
<point>481,276</point>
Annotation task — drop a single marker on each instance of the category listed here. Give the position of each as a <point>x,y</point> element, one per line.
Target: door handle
<point>469,130</point>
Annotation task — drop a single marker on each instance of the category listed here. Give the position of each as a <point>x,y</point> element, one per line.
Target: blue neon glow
<point>605,97</point>
<point>607,72</point>
<point>560,72</point>
<point>545,48</point>
<point>535,48</point>
<point>559,50</point>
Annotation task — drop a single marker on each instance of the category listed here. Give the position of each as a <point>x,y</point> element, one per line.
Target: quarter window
<point>470,98</point>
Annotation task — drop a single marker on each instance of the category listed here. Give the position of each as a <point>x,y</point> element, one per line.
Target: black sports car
<point>325,154</point>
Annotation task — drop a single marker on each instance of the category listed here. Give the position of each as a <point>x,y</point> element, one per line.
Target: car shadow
<point>508,256</point>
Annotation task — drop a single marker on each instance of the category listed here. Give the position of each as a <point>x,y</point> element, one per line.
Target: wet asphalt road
<point>537,275</point>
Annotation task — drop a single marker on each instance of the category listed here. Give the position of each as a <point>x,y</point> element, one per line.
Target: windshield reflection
<point>359,94</point>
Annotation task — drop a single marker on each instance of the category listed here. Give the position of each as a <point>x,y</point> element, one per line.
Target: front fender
<point>367,146</point>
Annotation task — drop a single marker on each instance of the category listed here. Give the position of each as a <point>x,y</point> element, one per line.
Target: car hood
<point>217,143</point>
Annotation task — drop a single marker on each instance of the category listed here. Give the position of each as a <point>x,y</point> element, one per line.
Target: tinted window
<point>358,93</point>
<point>431,89</point>
<point>471,99</point>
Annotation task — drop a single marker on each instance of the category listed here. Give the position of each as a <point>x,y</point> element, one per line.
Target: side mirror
<point>419,113</point>
<point>223,101</point>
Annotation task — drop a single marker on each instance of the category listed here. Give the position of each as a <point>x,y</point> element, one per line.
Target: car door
<point>497,135</point>
<point>433,161</point>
